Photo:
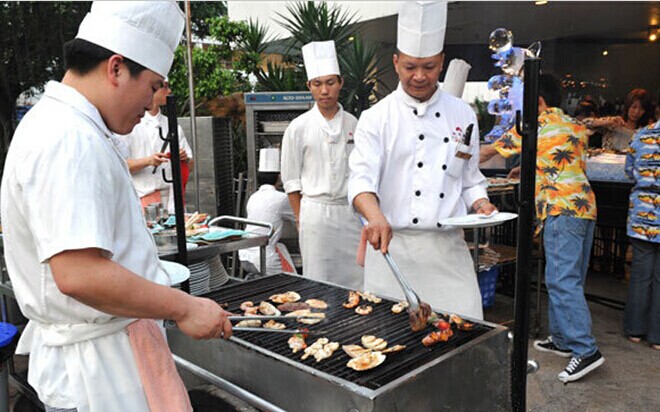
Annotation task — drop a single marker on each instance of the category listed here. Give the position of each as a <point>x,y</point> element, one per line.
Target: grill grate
<point>343,326</point>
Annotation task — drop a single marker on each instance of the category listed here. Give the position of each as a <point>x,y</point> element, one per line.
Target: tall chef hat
<point>146,32</point>
<point>269,160</point>
<point>421,28</point>
<point>320,59</point>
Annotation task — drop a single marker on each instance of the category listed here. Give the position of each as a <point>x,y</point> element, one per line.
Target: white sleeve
<point>183,143</point>
<point>291,167</point>
<point>68,190</point>
<point>365,159</point>
<point>474,182</point>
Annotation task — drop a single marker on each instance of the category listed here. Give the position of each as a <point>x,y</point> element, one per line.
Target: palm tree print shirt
<point>562,188</point>
<point>643,166</point>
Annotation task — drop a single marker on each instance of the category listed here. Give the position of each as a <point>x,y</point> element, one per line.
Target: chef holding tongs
<point>416,162</point>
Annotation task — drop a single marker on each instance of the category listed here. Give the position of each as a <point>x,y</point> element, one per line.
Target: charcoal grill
<point>469,372</point>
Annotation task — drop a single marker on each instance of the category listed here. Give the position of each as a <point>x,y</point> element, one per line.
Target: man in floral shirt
<point>566,209</point>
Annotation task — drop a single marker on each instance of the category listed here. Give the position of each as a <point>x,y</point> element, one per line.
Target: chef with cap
<point>270,205</point>
<point>315,151</point>
<point>414,164</point>
<point>83,266</point>
<point>145,154</point>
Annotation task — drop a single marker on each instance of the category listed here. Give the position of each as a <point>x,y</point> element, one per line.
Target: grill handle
<point>235,219</point>
<point>411,296</point>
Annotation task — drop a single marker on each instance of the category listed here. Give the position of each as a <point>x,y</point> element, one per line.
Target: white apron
<point>329,237</point>
<point>437,265</point>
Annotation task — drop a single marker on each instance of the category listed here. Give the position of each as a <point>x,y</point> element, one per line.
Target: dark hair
<point>644,99</point>
<point>607,109</point>
<point>82,57</point>
<point>267,178</point>
<point>550,90</point>
<point>586,108</point>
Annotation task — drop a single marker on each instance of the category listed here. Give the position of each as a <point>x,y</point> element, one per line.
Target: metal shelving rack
<point>269,107</point>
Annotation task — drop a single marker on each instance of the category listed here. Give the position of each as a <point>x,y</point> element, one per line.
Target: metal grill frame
<point>474,376</point>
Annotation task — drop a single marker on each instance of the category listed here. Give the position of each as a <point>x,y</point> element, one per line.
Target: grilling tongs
<point>418,311</point>
<point>286,331</point>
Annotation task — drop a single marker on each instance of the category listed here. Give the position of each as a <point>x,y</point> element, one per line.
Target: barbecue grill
<point>469,372</point>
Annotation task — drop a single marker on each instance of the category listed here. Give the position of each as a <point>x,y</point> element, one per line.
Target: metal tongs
<point>418,311</point>
<point>279,317</point>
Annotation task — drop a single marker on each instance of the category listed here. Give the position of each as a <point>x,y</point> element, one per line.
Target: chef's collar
<point>151,118</point>
<point>266,186</point>
<point>416,104</point>
<point>333,126</point>
<point>73,98</point>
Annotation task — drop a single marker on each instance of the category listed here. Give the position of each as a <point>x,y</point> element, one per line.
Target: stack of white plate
<point>199,278</point>
<point>219,275</point>
<point>275,126</point>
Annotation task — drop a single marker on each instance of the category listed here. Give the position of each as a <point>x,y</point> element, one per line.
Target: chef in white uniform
<point>406,177</point>
<point>82,263</point>
<point>145,146</point>
<point>272,206</point>
<point>315,151</point>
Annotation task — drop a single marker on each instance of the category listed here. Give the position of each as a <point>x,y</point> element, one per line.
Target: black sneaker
<point>578,367</point>
<point>549,346</point>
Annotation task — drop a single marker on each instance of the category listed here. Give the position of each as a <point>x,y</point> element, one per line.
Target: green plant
<point>252,44</point>
<point>485,119</point>
<point>316,21</point>
<point>280,78</point>
<point>361,68</point>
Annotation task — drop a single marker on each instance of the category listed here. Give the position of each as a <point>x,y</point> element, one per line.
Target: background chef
<point>406,177</point>
<point>270,205</point>
<point>144,153</point>
<point>315,151</point>
<point>82,263</point>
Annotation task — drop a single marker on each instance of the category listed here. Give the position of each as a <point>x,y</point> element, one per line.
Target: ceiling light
<point>541,2</point>
<point>653,33</point>
<point>605,52</point>
<point>653,37</point>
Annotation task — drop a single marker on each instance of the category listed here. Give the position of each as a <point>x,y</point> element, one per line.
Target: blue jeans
<point>642,315</point>
<point>567,242</point>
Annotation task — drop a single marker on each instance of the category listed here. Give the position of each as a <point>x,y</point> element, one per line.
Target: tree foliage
<point>31,38</point>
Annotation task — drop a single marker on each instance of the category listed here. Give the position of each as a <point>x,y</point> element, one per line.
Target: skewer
<point>279,317</point>
<point>287,331</point>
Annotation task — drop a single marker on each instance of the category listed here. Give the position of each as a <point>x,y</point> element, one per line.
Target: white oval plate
<point>177,272</point>
<point>474,220</point>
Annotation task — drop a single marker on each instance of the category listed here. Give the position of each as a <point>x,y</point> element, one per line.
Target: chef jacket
<point>144,141</point>
<point>267,205</point>
<point>403,153</point>
<point>66,187</point>
<point>315,155</point>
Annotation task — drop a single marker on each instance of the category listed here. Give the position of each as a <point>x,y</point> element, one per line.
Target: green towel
<point>216,235</point>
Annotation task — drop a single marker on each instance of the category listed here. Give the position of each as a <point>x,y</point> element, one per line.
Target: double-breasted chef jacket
<point>315,162</point>
<point>405,153</point>
<point>67,188</point>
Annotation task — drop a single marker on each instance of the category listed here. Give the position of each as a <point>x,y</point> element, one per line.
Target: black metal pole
<point>177,188</point>
<point>526,212</point>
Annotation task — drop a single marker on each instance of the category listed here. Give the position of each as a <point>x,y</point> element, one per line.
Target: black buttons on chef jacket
<point>421,137</point>
<point>437,114</point>
<point>420,164</point>
<point>442,195</point>
<point>418,193</point>
<point>446,140</point>
<point>439,224</point>
<point>444,167</point>
<point>415,221</point>
<point>415,112</point>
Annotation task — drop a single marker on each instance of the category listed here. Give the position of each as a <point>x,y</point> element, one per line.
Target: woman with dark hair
<point>618,130</point>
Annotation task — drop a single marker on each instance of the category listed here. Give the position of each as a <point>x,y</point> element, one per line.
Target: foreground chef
<point>272,206</point>
<point>406,176</point>
<point>81,261</point>
<point>145,153</point>
<point>315,151</point>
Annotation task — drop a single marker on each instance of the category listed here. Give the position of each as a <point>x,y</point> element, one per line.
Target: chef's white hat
<point>269,160</point>
<point>146,32</point>
<point>320,59</point>
<point>421,28</point>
